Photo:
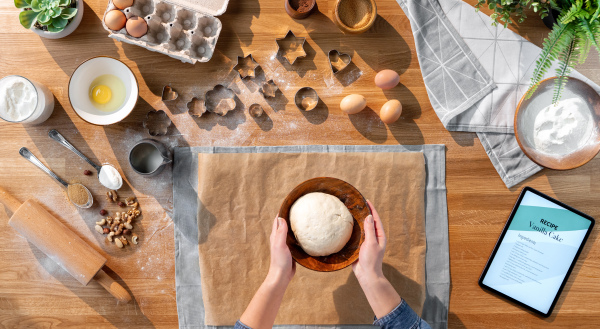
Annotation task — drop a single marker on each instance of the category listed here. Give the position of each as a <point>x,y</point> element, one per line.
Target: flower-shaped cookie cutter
<point>291,47</point>
<point>157,123</point>
<point>196,107</point>
<point>220,100</point>
<point>246,66</point>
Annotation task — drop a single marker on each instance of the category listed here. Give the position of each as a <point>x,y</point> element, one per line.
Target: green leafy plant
<point>576,30</point>
<point>505,9</point>
<point>55,15</point>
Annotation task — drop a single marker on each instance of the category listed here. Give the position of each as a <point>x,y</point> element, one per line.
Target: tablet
<point>536,251</point>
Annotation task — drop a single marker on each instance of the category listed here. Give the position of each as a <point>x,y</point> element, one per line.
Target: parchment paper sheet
<point>240,194</point>
<point>190,304</point>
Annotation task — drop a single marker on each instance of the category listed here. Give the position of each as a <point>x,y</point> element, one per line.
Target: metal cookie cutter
<point>196,107</point>
<point>157,123</point>
<point>306,99</point>
<point>338,61</point>
<point>220,100</point>
<point>291,47</point>
<point>269,89</point>
<point>169,94</point>
<point>246,66</point>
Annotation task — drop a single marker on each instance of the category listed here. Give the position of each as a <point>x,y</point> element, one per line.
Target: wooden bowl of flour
<point>562,140</point>
<point>356,204</point>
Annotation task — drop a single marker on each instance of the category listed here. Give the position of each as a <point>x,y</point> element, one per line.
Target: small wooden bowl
<point>291,7</point>
<point>358,207</point>
<point>354,29</point>
<point>576,88</point>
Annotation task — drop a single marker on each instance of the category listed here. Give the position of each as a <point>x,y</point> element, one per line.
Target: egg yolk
<point>101,94</point>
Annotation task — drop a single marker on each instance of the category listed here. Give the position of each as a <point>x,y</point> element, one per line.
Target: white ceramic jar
<point>70,28</point>
<point>29,93</point>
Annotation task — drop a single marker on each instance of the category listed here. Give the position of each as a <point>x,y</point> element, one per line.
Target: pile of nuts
<point>119,226</point>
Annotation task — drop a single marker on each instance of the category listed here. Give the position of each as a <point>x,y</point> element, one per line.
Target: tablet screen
<point>536,250</point>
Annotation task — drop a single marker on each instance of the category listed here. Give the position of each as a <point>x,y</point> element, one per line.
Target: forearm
<point>380,293</point>
<point>263,308</point>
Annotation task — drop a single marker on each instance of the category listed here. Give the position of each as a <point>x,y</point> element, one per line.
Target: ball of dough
<point>321,223</point>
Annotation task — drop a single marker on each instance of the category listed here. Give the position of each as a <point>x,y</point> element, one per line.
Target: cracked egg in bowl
<point>103,90</point>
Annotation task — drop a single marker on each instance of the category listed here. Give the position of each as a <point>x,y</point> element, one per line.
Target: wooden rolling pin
<point>60,244</point>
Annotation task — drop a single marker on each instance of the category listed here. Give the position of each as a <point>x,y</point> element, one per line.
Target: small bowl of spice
<point>79,195</point>
<point>355,16</point>
<point>299,9</point>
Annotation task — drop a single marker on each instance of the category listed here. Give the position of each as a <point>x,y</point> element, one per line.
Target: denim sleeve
<point>402,317</point>
<point>240,325</point>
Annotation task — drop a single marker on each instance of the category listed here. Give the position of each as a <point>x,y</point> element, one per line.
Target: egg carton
<point>184,29</point>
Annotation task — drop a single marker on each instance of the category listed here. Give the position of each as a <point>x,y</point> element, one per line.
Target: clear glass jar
<point>44,101</point>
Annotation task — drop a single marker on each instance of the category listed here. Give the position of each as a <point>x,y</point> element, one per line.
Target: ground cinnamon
<point>301,6</point>
<point>78,194</point>
<point>355,13</point>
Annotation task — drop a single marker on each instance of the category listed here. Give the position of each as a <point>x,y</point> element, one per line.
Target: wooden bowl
<point>528,108</point>
<point>291,8</point>
<point>356,29</point>
<point>358,207</point>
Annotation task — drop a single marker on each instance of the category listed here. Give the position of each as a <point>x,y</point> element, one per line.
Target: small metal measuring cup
<point>148,157</point>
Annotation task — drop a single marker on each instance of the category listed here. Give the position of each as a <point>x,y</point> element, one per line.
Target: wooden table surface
<point>36,293</point>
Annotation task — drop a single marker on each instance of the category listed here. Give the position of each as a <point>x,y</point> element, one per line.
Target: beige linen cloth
<point>239,196</point>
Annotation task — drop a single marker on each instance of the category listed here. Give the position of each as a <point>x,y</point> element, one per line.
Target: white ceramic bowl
<point>79,85</point>
<point>68,29</point>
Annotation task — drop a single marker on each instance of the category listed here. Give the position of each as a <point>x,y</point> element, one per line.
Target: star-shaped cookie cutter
<point>246,66</point>
<point>269,89</point>
<point>291,47</point>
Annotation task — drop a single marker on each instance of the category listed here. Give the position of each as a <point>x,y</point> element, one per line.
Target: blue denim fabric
<point>402,317</point>
<point>240,325</point>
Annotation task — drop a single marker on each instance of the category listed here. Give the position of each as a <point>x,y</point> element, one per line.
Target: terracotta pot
<point>70,28</point>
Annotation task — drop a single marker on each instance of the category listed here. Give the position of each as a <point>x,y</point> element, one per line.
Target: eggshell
<point>390,111</point>
<point>353,103</point>
<point>115,20</point>
<point>387,79</point>
<point>122,4</point>
<point>136,27</point>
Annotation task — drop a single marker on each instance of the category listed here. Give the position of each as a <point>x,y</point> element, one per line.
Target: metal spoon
<point>24,152</point>
<point>55,135</point>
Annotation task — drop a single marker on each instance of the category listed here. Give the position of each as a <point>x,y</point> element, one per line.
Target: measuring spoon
<point>24,152</point>
<point>55,135</point>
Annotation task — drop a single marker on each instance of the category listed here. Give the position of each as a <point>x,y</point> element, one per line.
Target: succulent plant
<point>53,14</point>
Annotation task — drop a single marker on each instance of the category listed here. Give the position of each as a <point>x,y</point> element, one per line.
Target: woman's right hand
<point>370,258</point>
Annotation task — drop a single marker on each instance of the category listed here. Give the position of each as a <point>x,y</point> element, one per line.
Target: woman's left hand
<point>283,267</point>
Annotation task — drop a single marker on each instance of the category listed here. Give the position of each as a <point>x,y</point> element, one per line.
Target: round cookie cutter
<point>356,204</point>
<point>306,99</point>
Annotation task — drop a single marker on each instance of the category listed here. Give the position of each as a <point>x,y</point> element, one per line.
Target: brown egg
<point>115,20</point>
<point>136,27</point>
<point>353,103</point>
<point>390,111</point>
<point>387,79</point>
<point>122,4</point>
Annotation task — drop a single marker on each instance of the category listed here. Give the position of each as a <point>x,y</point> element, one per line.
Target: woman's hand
<point>368,269</point>
<point>283,267</point>
<point>263,307</point>
<point>370,258</point>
